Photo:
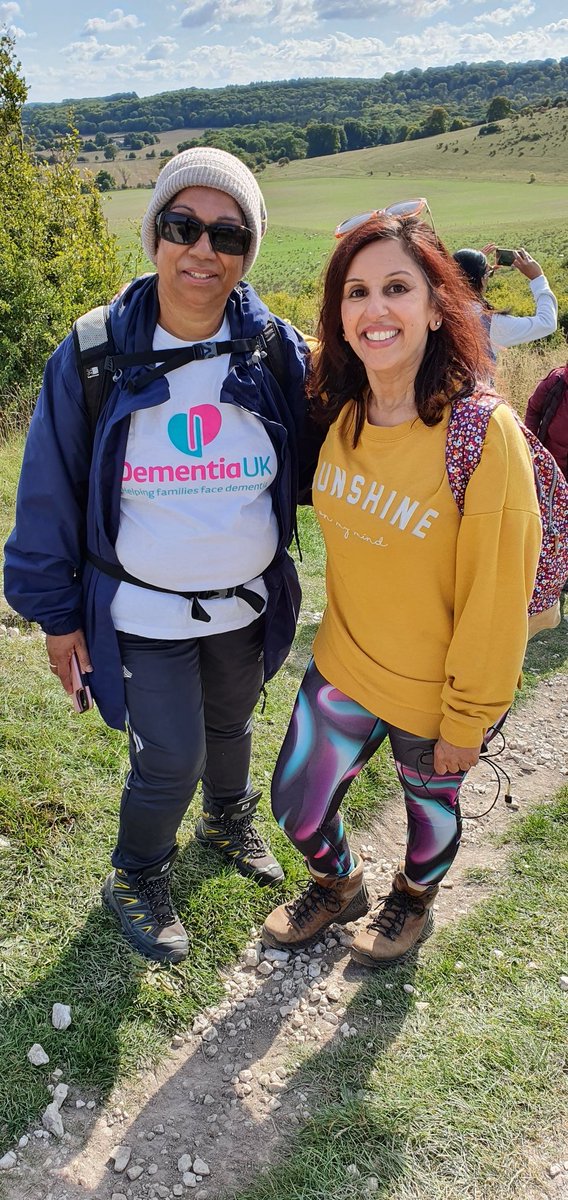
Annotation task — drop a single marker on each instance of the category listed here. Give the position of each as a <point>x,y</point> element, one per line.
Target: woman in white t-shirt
<point>156,551</point>
<point>504,329</point>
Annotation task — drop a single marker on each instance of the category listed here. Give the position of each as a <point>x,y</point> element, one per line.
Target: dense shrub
<point>57,258</point>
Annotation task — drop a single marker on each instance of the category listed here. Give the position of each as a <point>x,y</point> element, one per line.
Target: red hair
<point>456,357</point>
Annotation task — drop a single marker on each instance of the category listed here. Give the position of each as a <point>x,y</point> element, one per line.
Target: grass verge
<point>440,1104</point>
<point>546,654</point>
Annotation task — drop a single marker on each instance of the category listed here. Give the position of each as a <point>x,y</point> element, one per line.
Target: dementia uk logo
<point>190,432</point>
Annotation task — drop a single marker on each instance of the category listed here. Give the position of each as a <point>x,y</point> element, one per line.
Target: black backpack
<point>100,364</point>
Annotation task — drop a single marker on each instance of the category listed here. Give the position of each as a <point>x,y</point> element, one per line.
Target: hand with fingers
<point>526,265</point>
<point>450,759</point>
<point>59,648</point>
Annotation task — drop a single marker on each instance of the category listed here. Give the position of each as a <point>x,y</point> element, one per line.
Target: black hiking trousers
<point>190,705</point>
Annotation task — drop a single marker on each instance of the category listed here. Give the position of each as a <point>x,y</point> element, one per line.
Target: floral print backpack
<point>467,427</point>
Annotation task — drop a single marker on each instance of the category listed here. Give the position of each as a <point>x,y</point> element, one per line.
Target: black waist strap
<point>197,611</point>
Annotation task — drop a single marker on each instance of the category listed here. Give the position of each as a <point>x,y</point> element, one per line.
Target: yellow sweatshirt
<point>426,620</point>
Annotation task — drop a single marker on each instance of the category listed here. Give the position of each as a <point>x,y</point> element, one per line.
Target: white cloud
<point>366,57</point>
<point>445,44</point>
<point>286,14</point>
<point>93,67</point>
<point>90,51</point>
<point>8,12</point>
<point>292,15</point>
<point>330,10</point>
<point>161,50</point>
<point>423,9</point>
<point>199,13</point>
<point>354,10</point>
<point>506,16</point>
<point>117,19</point>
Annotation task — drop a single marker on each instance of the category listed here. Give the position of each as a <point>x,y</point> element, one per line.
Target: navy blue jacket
<point>69,491</point>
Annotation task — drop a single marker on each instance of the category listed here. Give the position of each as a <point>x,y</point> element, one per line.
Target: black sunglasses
<point>186,231</point>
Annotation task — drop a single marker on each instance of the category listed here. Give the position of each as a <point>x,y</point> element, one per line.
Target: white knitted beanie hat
<point>205,166</point>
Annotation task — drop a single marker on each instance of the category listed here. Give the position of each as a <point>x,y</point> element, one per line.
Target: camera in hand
<point>504,258</point>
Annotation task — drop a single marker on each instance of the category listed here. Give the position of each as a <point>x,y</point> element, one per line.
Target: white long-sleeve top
<point>506,330</point>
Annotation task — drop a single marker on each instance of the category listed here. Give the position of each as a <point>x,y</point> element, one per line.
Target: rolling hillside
<point>530,145</point>
<point>525,145</point>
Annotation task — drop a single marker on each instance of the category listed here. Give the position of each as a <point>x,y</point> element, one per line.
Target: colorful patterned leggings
<point>329,739</point>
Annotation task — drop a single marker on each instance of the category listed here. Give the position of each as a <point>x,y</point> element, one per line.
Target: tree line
<point>283,143</point>
<point>463,90</point>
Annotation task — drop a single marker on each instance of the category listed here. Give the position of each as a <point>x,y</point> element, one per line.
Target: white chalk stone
<point>61,1016</point>
<point>37,1055</point>
<point>51,1120</point>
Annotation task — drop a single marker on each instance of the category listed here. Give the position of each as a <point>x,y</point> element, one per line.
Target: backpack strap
<point>274,353</point>
<point>267,346</point>
<point>92,338</point>
<point>467,428</point>
<point>169,360</point>
<point>485,317</point>
<point>98,362</point>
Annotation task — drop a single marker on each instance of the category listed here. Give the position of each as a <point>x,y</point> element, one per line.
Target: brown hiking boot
<point>402,921</point>
<point>326,900</point>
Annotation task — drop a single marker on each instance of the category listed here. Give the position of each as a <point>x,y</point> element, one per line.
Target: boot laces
<point>244,832</point>
<point>393,911</point>
<point>309,902</point>
<point>157,893</point>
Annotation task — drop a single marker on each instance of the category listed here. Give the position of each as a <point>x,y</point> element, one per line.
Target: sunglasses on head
<point>404,208</point>
<point>186,231</point>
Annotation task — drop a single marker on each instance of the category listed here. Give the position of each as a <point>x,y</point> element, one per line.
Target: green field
<point>315,203</point>
<point>304,210</point>
<point>478,196</point>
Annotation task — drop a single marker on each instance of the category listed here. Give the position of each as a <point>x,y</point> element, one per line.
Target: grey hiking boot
<point>229,830</point>
<point>143,905</point>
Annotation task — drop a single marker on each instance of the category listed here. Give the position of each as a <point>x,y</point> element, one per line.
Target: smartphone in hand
<point>504,258</point>
<point>82,698</point>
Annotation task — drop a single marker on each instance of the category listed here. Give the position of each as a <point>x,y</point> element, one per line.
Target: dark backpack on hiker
<point>100,364</point>
<point>554,398</point>
<point>467,428</point>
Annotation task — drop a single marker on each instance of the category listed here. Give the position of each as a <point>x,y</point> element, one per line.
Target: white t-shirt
<point>196,511</point>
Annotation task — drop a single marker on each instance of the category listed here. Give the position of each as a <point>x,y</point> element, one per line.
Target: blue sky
<point>75,48</point>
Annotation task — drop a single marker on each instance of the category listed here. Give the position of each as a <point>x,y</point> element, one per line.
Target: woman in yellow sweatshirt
<point>425,629</point>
